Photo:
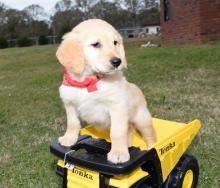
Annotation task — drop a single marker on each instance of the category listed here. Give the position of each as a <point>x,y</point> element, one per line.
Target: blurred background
<point>45,22</point>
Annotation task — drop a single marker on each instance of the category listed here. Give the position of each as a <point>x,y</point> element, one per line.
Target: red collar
<point>89,82</point>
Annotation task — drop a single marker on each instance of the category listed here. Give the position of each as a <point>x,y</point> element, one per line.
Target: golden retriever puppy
<point>95,90</point>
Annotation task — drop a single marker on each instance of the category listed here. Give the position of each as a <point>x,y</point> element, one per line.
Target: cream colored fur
<point>117,103</point>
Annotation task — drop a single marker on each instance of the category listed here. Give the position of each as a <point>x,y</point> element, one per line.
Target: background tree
<point>151,4</point>
<point>85,7</point>
<point>133,7</point>
<point>108,11</point>
<point>43,40</point>
<point>3,42</point>
<point>36,18</point>
<point>63,5</point>
<point>3,20</point>
<point>32,21</point>
<point>149,16</point>
<point>35,12</point>
<point>141,12</point>
<point>16,23</point>
<point>61,25</point>
<point>3,9</point>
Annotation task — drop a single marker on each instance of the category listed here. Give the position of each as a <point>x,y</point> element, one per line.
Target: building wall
<point>191,22</point>
<point>210,20</point>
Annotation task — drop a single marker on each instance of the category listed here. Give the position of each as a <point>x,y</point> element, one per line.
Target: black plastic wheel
<point>185,174</point>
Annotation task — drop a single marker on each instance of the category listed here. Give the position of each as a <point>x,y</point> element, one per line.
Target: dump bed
<point>92,147</point>
<point>173,140</point>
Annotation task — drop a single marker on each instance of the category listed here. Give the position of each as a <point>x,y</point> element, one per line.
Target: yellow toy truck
<point>85,165</point>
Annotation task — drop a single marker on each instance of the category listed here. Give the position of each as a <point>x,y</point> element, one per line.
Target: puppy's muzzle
<point>115,62</point>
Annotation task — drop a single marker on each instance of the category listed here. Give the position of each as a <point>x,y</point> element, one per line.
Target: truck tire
<point>185,174</point>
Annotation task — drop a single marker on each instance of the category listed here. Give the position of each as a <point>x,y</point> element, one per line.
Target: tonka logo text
<point>82,173</point>
<point>167,148</point>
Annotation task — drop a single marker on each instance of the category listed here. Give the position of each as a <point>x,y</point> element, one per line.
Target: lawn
<point>179,83</point>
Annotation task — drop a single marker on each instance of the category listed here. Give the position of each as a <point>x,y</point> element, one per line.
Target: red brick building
<point>189,21</point>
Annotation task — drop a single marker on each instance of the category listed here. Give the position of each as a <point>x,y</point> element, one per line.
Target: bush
<point>43,40</point>
<point>3,42</point>
<point>24,41</point>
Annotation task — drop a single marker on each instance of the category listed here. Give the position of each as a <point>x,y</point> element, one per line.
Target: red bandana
<point>89,82</point>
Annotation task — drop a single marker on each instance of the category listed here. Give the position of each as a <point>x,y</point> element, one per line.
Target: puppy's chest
<point>94,110</point>
<point>91,106</point>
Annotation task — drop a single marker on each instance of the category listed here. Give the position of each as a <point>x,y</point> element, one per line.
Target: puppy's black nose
<point>115,62</point>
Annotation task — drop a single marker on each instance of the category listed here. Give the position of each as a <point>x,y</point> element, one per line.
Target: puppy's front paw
<point>67,140</point>
<point>118,156</point>
<point>151,142</point>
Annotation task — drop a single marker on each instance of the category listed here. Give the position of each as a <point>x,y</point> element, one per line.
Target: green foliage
<point>64,30</point>
<point>43,40</point>
<point>3,42</point>
<point>24,41</point>
<point>28,22</point>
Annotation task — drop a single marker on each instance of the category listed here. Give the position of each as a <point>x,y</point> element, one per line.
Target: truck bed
<point>173,140</point>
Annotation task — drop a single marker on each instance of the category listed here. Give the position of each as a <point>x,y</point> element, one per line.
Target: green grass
<point>180,84</point>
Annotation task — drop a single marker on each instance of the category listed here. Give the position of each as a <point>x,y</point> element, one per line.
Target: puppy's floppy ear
<point>70,55</point>
<point>122,52</point>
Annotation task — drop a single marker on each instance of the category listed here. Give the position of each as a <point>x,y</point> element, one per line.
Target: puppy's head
<point>94,44</point>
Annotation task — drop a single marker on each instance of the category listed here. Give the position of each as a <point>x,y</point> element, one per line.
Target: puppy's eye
<point>115,42</point>
<point>96,45</point>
